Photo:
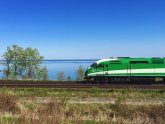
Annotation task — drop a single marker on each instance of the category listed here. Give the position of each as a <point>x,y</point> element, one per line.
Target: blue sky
<point>84,29</point>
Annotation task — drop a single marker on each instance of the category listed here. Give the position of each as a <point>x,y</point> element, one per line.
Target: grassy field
<point>81,106</point>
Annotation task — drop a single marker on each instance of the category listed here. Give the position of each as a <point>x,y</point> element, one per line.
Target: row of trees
<point>23,63</point>
<point>26,63</point>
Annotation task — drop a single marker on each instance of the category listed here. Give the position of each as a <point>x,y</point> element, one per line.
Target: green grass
<point>93,92</point>
<point>89,122</point>
<point>8,120</point>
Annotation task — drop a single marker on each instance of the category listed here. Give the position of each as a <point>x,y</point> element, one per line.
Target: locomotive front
<point>91,69</point>
<point>97,70</point>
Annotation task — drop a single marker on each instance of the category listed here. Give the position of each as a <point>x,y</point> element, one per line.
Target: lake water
<point>69,67</point>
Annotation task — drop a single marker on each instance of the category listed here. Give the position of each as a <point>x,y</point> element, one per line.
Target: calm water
<point>69,67</point>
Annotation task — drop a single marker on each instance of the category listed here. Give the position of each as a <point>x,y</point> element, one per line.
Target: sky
<point>84,29</point>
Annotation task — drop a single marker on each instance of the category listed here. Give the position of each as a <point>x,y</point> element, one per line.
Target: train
<point>126,69</point>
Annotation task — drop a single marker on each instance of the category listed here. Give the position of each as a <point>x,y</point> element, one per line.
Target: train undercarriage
<point>125,79</point>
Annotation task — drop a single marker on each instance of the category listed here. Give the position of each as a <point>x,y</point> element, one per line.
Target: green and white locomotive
<point>126,69</point>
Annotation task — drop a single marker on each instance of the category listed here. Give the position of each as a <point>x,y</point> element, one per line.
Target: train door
<point>129,70</point>
<point>106,69</point>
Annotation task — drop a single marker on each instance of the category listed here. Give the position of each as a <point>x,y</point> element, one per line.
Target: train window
<point>100,66</point>
<point>139,62</point>
<point>157,61</point>
<point>93,65</point>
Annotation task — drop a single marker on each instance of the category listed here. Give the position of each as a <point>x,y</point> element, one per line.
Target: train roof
<point>128,59</point>
<point>105,60</point>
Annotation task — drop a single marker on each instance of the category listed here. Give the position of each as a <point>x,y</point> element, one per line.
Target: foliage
<point>33,61</point>
<point>80,73</point>
<point>43,73</point>
<point>13,61</point>
<point>23,63</point>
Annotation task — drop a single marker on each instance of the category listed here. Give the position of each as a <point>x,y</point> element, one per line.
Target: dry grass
<point>116,113</point>
<point>8,103</point>
<point>49,113</point>
<point>150,114</point>
<point>57,110</point>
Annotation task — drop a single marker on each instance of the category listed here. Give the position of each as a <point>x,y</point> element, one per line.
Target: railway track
<point>42,84</point>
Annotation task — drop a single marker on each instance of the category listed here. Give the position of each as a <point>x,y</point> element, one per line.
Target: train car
<point>127,69</point>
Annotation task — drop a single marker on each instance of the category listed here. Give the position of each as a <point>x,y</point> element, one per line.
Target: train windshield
<point>93,65</point>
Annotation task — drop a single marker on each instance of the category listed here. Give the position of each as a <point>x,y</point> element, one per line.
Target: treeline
<point>20,63</point>
<point>23,63</point>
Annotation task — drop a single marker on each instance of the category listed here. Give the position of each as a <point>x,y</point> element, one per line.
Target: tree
<point>17,60</point>
<point>8,58</point>
<point>80,73</point>
<point>21,63</point>
<point>60,76</point>
<point>33,61</point>
<point>13,59</point>
<point>43,74</point>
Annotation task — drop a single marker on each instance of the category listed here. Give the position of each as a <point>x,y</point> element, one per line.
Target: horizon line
<point>64,59</point>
